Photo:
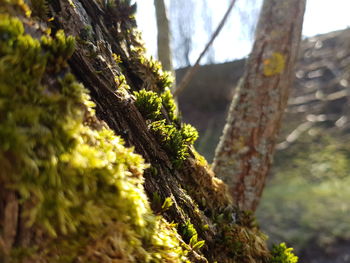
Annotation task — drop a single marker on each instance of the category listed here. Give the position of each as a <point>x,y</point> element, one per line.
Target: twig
<point>311,120</point>
<point>191,71</point>
<point>294,135</point>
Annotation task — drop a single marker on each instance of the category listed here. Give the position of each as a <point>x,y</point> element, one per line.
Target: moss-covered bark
<point>70,190</point>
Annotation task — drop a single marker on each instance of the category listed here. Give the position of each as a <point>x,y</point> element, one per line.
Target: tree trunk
<point>244,154</point>
<point>70,190</point>
<point>163,37</point>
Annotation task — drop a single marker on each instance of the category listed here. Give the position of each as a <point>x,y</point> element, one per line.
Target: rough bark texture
<point>107,55</point>
<point>244,154</point>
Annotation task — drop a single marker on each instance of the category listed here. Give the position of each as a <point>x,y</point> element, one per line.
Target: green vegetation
<point>122,13</point>
<point>162,79</point>
<point>149,69</point>
<point>168,202</point>
<point>58,50</point>
<point>282,254</point>
<point>83,186</point>
<point>309,192</point>
<point>40,9</point>
<point>169,104</point>
<point>158,206</point>
<point>188,231</point>
<point>148,103</point>
<point>121,83</point>
<point>80,188</point>
<point>175,141</point>
<point>190,235</point>
<point>240,237</point>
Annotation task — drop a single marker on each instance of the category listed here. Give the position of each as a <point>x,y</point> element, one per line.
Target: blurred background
<point>306,200</point>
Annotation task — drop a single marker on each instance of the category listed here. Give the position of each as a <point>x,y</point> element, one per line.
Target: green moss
<point>239,237</point>
<point>168,202</point>
<point>149,69</point>
<point>163,79</point>
<point>14,7</point>
<point>58,49</point>
<point>40,9</point>
<point>19,254</point>
<point>282,254</point>
<point>117,59</point>
<point>200,159</point>
<point>188,231</point>
<point>190,235</point>
<point>159,206</point>
<point>121,83</point>
<point>175,141</point>
<point>244,244</point>
<point>189,134</point>
<point>84,186</point>
<point>121,14</point>
<point>148,103</point>
<point>169,104</point>
<point>44,134</point>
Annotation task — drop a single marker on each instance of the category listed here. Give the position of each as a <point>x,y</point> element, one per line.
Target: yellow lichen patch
<point>71,3</point>
<point>274,64</point>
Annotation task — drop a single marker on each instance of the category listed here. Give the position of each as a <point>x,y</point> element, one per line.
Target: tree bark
<point>244,154</point>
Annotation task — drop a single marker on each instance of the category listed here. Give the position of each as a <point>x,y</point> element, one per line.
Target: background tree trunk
<point>244,154</point>
<point>163,38</point>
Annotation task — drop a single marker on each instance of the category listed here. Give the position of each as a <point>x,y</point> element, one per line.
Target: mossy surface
<point>174,137</point>
<point>40,9</point>
<point>175,140</point>
<point>148,103</point>
<point>84,187</point>
<point>282,254</point>
<point>240,237</point>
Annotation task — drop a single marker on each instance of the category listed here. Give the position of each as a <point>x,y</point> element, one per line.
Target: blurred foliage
<point>307,196</point>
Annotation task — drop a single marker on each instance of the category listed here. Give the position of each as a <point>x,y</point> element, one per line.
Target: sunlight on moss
<point>80,181</point>
<point>176,140</point>
<point>282,254</point>
<point>169,104</point>
<point>148,103</point>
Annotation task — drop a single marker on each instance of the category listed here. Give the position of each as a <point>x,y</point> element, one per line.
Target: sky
<point>321,16</point>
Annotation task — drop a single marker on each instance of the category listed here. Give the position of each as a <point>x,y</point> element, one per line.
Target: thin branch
<point>311,120</point>
<point>294,135</point>
<point>191,71</point>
